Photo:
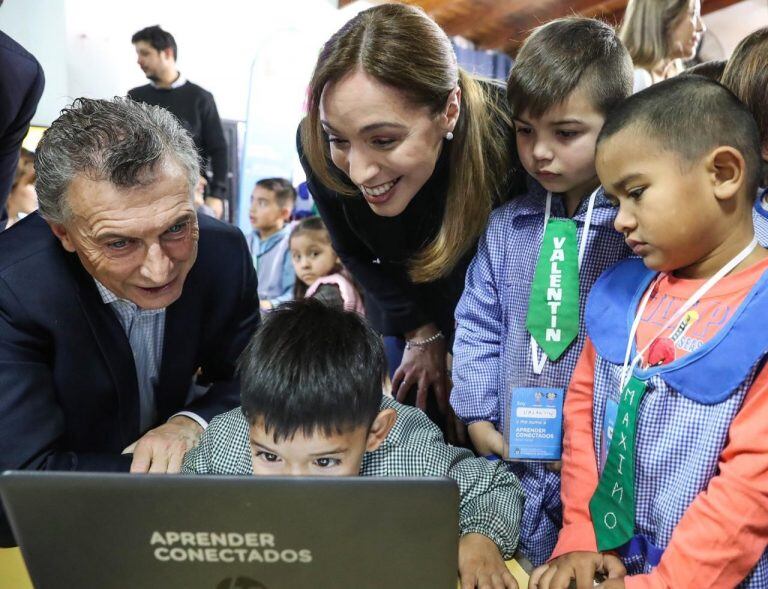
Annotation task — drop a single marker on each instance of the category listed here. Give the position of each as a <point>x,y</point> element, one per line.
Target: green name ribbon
<point>613,505</point>
<point>553,307</point>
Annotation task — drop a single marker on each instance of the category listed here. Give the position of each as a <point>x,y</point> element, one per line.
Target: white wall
<point>731,24</point>
<point>85,46</point>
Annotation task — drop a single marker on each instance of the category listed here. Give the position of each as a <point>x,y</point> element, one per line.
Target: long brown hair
<point>403,48</point>
<point>746,75</point>
<point>645,29</point>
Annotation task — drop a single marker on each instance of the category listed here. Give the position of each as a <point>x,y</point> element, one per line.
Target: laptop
<point>105,530</point>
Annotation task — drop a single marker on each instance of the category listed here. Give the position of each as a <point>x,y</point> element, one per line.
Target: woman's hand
<point>425,367</point>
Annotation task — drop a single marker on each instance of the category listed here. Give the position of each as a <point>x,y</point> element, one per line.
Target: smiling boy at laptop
<point>312,405</point>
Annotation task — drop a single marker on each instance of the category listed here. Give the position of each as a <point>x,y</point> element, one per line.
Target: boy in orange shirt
<point>665,461</point>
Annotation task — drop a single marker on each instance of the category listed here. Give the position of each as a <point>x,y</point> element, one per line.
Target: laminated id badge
<point>534,424</point>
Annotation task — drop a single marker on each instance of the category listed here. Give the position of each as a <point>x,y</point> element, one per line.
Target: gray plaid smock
<point>491,352</point>
<point>491,499</point>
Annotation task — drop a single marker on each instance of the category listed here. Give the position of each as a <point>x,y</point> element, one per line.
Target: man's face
<point>139,242</point>
<point>152,62</point>
<point>558,148</point>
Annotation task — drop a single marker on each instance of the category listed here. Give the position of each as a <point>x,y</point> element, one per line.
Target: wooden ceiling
<point>504,24</point>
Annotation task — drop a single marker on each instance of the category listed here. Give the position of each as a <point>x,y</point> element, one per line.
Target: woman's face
<point>387,146</point>
<point>686,31</point>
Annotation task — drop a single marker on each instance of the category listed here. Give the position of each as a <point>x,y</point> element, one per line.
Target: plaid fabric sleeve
<point>223,449</point>
<point>491,499</point>
<point>479,330</point>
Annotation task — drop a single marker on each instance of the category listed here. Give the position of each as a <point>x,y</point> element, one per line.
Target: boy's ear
<point>380,428</point>
<point>286,213</point>
<point>727,168</point>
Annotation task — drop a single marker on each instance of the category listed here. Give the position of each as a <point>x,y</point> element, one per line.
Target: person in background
<point>559,100</point>
<point>22,82</point>
<point>121,312</point>
<point>665,461</point>
<point>319,273</point>
<point>312,405</point>
<point>23,197</point>
<point>406,155</point>
<point>660,35</point>
<point>746,75</point>
<point>194,106</point>
<point>271,206</point>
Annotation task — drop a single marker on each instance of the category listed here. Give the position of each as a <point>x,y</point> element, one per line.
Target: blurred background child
<point>22,199</point>
<point>319,272</point>
<point>271,206</point>
<point>746,75</point>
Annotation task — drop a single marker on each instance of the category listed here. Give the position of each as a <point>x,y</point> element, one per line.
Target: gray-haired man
<point>121,313</point>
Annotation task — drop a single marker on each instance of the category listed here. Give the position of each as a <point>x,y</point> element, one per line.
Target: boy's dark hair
<point>565,54</point>
<point>285,193</point>
<point>689,116</point>
<point>311,368</point>
<point>712,69</point>
<point>157,38</point>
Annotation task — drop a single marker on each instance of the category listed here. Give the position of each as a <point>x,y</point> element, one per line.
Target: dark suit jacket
<point>68,392</point>
<point>21,85</point>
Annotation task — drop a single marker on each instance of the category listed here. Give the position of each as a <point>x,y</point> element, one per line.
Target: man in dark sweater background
<point>194,106</point>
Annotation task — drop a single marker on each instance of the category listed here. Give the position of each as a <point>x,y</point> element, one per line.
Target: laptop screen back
<point>117,530</point>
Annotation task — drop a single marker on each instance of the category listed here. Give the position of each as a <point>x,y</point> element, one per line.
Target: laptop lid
<point>105,530</point>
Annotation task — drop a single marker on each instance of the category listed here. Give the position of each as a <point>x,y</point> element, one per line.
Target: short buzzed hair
<point>566,54</point>
<point>690,116</point>
<point>285,193</point>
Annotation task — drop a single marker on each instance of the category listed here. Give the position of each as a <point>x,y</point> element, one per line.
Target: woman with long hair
<point>406,155</point>
<point>660,35</point>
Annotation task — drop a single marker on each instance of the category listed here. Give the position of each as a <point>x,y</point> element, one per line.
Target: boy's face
<point>667,210</point>
<point>267,216</point>
<point>338,454</point>
<point>558,148</point>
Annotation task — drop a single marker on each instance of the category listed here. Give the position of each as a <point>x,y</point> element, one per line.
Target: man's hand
<point>162,449</point>
<point>579,567</point>
<point>481,565</point>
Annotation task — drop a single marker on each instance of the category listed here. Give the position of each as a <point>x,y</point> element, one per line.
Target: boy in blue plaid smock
<point>665,461</point>
<point>518,321</point>
<point>311,383</point>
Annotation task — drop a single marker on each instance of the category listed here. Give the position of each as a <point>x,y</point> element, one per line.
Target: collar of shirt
<point>177,83</point>
<point>261,246</point>
<point>534,202</point>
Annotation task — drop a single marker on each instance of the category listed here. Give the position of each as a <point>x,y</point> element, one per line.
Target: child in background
<point>271,206</point>
<point>310,383</point>
<point>666,436</point>
<point>319,273</point>
<point>746,75</point>
<point>568,75</point>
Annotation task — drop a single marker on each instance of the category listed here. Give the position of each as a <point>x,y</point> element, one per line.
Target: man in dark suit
<point>21,85</point>
<point>121,313</point>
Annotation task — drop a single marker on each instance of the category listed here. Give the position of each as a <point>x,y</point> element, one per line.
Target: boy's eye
<point>266,456</point>
<point>636,193</point>
<point>326,462</point>
<point>567,134</point>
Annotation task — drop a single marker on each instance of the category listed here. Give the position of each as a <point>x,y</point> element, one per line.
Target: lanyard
<point>539,361</point>
<point>629,367</point>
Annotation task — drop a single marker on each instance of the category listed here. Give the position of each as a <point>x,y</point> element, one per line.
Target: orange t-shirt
<point>724,531</point>
<point>701,323</point>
